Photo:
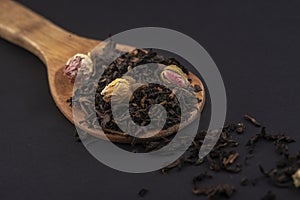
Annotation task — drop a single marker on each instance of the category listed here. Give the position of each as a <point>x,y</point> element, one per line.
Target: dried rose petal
<point>78,63</point>
<point>173,74</point>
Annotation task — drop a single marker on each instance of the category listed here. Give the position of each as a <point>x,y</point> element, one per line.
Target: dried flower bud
<point>80,63</point>
<point>296,178</point>
<point>173,74</point>
<point>119,88</point>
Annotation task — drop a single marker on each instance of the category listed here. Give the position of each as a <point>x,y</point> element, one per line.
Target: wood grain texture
<point>54,46</point>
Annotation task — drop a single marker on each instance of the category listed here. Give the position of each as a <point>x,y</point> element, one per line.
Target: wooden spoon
<point>54,46</point>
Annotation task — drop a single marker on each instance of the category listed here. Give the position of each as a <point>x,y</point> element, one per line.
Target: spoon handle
<point>31,31</point>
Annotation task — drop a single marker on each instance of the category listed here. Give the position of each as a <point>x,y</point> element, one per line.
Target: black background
<point>255,44</point>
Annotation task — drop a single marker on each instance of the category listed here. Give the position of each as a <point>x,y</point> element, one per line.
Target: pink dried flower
<point>173,74</point>
<point>79,62</point>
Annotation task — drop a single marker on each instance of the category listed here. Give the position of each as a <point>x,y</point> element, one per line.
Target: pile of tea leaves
<point>227,156</point>
<point>116,77</point>
<point>144,96</point>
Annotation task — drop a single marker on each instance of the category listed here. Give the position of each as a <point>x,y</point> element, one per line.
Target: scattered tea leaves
<point>280,141</point>
<point>283,176</point>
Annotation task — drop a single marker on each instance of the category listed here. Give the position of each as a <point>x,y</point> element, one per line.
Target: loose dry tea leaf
<point>177,163</point>
<point>240,128</point>
<point>244,181</point>
<point>69,101</point>
<point>214,191</point>
<point>77,138</point>
<point>254,181</point>
<point>252,120</point>
<point>201,177</point>
<point>143,192</point>
<point>230,159</point>
<point>197,88</point>
<point>269,196</point>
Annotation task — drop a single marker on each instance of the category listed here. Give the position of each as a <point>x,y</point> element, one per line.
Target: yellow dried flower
<point>120,88</point>
<point>296,178</point>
